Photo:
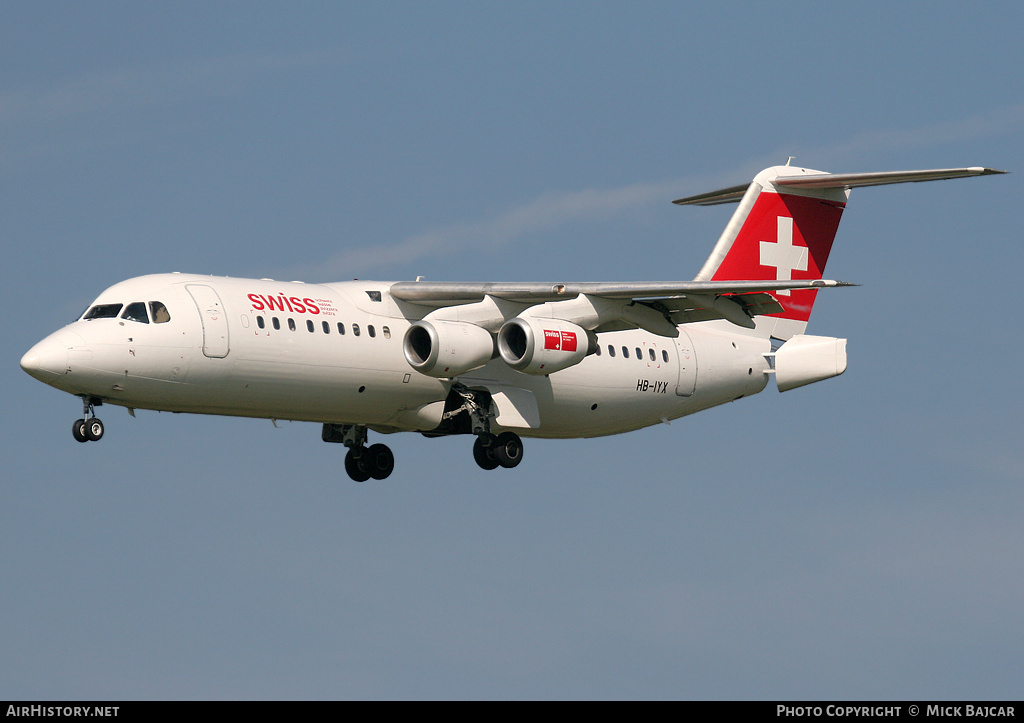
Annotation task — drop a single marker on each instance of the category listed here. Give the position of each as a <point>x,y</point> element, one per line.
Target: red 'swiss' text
<point>292,304</point>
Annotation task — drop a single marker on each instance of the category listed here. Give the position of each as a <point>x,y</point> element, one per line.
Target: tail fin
<point>784,227</point>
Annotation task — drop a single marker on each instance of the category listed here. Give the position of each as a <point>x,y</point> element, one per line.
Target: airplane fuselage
<point>332,353</point>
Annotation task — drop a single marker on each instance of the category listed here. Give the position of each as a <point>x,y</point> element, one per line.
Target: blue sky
<point>858,538</point>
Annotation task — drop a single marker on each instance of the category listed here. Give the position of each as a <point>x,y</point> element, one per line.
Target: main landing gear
<point>88,429</point>
<point>467,411</point>
<point>375,461</point>
<point>361,462</point>
<point>490,451</point>
<point>503,450</point>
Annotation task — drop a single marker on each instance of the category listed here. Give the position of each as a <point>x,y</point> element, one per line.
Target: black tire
<point>93,429</point>
<point>78,431</point>
<point>508,449</point>
<point>356,466</point>
<point>380,461</point>
<point>483,453</point>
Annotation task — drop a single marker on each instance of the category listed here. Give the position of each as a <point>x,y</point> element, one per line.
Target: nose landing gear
<point>89,429</point>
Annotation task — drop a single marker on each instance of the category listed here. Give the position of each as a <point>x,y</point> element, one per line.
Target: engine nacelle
<point>543,346</point>
<point>446,348</point>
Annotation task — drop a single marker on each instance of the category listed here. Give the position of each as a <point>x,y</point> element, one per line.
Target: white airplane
<point>496,360</point>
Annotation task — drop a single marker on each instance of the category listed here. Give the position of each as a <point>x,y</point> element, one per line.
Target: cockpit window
<point>136,312</point>
<point>103,311</point>
<point>159,312</point>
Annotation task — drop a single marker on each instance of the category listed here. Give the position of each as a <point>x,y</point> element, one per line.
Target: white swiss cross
<point>783,255</point>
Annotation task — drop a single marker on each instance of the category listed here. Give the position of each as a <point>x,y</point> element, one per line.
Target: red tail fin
<point>784,228</point>
<point>784,237</point>
<point>778,234</point>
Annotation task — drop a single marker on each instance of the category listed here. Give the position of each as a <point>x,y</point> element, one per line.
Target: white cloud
<point>554,209</point>
<point>546,212</point>
<point>998,121</point>
<point>124,89</point>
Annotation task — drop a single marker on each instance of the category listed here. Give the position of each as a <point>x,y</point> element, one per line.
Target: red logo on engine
<point>559,340</point>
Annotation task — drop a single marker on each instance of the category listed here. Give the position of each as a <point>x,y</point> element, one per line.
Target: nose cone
<point>48,359</point>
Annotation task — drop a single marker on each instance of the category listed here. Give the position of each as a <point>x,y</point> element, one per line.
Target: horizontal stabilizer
<point>838,180</point>
<point>713,198</point>
<point>856,180</point>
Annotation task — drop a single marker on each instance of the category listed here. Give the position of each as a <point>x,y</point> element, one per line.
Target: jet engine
<point>447,348</point>
<point>543,346</point>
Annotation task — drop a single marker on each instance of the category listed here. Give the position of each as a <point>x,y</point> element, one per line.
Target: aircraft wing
<point>442,293</point>
<point>656,307</point>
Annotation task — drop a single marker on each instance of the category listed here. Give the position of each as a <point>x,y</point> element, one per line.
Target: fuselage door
<point>687,380</point>
<point>215,321</point>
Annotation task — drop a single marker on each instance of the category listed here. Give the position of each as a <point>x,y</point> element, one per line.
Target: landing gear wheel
<point>93,429</point>
<point>78,430</point>
<point>483,451</point>
<point>356,464</point>
<point>508,449</point>
<point>379,460</point>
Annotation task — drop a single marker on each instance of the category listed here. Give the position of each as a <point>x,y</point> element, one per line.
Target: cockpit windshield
<point>136,311</point>
<point>159,312</point>
<point>103,311</point>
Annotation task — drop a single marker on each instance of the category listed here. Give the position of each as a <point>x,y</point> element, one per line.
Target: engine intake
<point>446,348</point>
<point>543,346</point>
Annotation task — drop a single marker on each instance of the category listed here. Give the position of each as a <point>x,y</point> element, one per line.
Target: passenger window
<point>611,351</point>
<point>327,327</point>
<point>387,332</point>
<point>341,328</point>
<point>638,354</point>
<point>371,331</point>
<point>277,324</point>
<point>664,356</point>
<point>136,312</point>
<point>355,329</point>
<point>625,353</point>
<point>159,312</point>
<point>259,322</point>
<point>103,311</point>
<point>291,325</point>
<point>650,353</point>
<point>598,352</point>
<point>309,325</point>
